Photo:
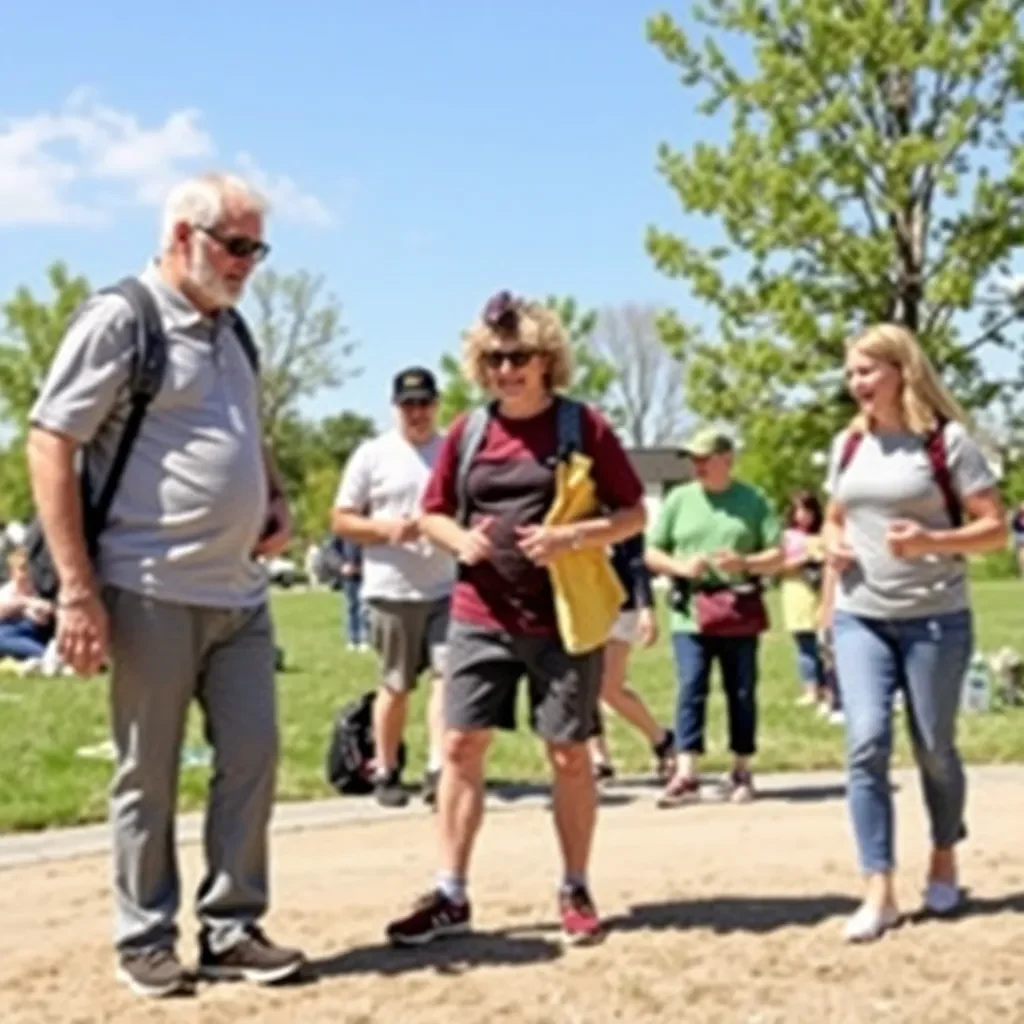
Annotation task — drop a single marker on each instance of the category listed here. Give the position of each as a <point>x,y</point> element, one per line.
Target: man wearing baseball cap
<point>406,580</point>
<point>715,538</point>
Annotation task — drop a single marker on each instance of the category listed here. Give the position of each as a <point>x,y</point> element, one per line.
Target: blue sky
<point>419,155</point>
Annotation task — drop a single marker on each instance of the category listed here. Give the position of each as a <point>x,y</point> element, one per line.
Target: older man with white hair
<point>171,592</point>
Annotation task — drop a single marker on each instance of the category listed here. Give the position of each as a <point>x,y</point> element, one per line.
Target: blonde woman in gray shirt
<point>911,495</point>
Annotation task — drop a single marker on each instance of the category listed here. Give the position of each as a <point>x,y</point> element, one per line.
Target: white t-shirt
<point>385,479</point>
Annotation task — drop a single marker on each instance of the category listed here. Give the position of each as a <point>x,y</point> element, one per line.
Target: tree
<point>647,380</point>
<point>303,344</point>
<point>592,376</point>
<point>32,330</point>
<point>868,174</point>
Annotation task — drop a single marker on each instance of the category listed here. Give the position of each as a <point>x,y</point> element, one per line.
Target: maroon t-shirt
<point>512,481</point>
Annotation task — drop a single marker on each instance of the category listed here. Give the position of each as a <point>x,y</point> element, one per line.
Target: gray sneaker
<point>154,973</point>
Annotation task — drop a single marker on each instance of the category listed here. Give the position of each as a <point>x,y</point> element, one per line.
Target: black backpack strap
<point>569,427</point>
<point>245,339</point>
<point>472,438</point>
<point>149,362</point>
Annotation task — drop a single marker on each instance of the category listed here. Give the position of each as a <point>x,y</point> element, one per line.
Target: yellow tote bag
<point>588,593</point>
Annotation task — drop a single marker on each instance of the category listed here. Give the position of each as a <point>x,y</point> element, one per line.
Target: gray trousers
<point>164,655</point>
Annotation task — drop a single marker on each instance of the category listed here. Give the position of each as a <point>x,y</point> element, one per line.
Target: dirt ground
<point>717,913</point>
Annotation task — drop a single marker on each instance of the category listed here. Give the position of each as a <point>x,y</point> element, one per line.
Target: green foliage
<point>592,376</point>
<point>31,331</point>
<point>867,174</point>
<point>303,343</point>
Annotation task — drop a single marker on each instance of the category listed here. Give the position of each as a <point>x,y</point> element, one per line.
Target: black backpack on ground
<point>149,363</point>
<point>350,754</point>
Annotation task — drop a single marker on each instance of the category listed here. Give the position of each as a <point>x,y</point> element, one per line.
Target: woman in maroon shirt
<point>503,618</point>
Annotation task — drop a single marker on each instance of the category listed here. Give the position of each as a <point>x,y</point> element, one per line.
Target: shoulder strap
<point>245,339</point>
<point>850,446</point>
<point>469,444</point>
<point>569,426</point>
<point>149,362</point>
<point>935,445</point>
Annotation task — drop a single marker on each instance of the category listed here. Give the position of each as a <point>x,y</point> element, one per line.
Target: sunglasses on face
<point>240,247</point>
<point>516,358</point>
<point>417,403</point>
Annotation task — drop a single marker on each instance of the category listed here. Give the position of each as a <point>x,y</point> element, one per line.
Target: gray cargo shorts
<point>409,637</point>
<point>484,669</point>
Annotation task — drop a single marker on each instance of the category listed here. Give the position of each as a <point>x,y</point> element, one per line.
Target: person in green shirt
<point>714,538</point>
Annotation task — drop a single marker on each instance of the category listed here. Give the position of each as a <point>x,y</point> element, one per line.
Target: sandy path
<point>718,913</point>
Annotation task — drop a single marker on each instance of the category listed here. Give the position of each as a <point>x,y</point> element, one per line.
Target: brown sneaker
<point>255,958</point>
<point>433,916</point>
<point>682,789</point>
<point>740,787</point>
<point>154,973</point>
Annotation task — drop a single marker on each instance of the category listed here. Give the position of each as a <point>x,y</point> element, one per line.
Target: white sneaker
<point>942,898</point>
<point>868,924</point>
<point>836,718</point>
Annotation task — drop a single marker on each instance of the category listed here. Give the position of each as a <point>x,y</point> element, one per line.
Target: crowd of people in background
<point>512,547</point>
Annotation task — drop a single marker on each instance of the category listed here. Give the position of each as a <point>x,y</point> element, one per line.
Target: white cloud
<point>77,166</point>
<point>287,200</point>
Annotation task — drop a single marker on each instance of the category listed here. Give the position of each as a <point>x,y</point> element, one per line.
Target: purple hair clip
<point>500,313</point>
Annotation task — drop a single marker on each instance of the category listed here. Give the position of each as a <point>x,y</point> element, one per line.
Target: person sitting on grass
<point>26,620</point>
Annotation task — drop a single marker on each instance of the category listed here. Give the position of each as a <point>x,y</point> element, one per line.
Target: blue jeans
<point>22,639</point>
<point>737,657</point>
<point>354,621</point>
<point>814,672</point>
<point>808,660</point>
<point>926,658</point>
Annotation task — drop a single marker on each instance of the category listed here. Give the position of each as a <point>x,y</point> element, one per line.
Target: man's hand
<point>403,531</point>
<point>647,627</point>
<point>475,546</point>
<point>279,529</point>
<point>729,562</point>
<point>83,633</point>
<point>692,568</point>
<point>907,539</point>
<point>541,544</point>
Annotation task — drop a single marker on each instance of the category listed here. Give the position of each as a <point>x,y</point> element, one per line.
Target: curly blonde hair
<point>925,399</point>
<point>536,328</point>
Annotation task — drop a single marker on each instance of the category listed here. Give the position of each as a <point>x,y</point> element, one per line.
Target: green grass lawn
<point>43,722</point>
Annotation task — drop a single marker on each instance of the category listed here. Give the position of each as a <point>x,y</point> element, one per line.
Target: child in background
<point>803,579</point>
<point>26,620</point>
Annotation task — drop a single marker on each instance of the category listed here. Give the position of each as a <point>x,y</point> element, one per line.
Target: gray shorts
<point>409,637</point>
<point>484,669</point>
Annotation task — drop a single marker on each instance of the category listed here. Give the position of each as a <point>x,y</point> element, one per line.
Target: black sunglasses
<point>516,358</point>
<point>416,403</point>
<point>239,246</point>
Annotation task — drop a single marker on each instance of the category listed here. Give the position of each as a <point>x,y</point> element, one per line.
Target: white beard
<point>207,280</point>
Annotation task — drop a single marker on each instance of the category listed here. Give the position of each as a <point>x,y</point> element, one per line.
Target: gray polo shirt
<point>891,477</point>
<point>193,498</point>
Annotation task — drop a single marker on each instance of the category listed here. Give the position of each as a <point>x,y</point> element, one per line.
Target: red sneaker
<point>580,923</point>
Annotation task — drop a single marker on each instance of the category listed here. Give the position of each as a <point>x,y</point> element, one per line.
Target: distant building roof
<point>660,465</point>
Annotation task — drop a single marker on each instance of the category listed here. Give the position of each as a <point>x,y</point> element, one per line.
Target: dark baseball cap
<point>415,384</point>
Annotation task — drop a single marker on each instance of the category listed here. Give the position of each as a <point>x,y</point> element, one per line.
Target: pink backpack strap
<point>850,446</point>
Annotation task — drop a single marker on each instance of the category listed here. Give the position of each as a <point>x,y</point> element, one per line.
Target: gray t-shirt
<point>891,477</point>
<point>193,498</point>
<point>385,479</point>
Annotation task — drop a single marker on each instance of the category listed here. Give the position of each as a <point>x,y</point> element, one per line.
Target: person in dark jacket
<point>350,567</point>
<point>637,623</point>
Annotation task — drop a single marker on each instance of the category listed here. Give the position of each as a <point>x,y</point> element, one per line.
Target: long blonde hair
<point>925,399</point>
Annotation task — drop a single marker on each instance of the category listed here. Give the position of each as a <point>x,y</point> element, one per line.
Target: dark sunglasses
<point>239,246</point>
<point>416,403</point>
<point>517,358</point>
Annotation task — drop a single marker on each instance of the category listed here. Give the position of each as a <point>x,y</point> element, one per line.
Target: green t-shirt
<point>693,521</point>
